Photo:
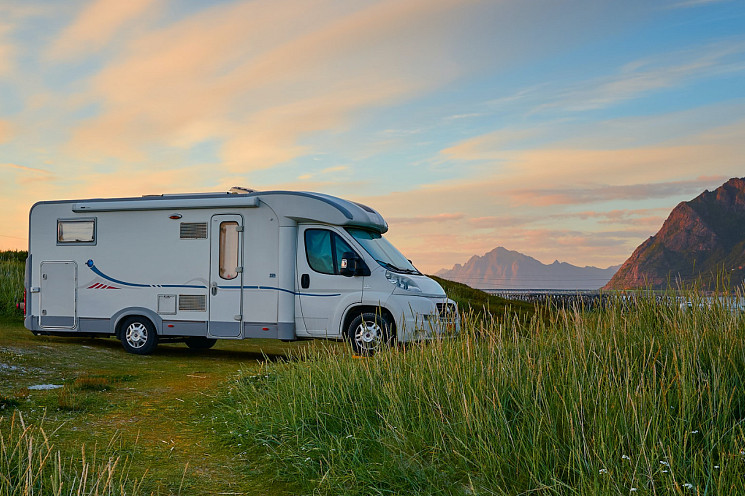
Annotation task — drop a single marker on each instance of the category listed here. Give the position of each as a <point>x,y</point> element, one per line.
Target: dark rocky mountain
<point>506,269</point>
<point>703,241</point>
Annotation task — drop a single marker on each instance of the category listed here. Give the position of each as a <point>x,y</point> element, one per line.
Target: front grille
<point>448,312</point>
<point>192,303</point>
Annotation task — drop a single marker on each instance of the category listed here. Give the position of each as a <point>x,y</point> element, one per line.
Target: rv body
<point>200,267</point>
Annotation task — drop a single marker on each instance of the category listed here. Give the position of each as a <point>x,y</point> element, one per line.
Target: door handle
<point>305,281</point>
<point>214,288</point>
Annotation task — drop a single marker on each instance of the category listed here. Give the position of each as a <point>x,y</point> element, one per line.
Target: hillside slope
<point>701,240</point>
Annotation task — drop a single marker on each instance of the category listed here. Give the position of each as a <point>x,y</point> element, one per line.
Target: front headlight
<point>402,281</point>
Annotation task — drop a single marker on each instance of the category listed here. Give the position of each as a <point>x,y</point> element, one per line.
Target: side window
<point>229,250</point>
<point>324,250</point>
<point>340,246</point>
<point>318,250</point>
<point>78,231</point>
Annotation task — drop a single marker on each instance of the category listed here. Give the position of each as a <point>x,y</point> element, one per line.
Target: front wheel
<point>138,336</point>
<point>369,333</point>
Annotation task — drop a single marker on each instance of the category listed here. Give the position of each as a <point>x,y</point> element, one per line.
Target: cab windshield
<point>382,251</point>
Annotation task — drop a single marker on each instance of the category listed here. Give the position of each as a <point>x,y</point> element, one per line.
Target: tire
<point>369,333</point>
<point>138,336</point>
<point>200,343</point>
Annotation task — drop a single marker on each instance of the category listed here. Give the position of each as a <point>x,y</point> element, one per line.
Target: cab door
<point>323,292</point>
<point>226,276</point>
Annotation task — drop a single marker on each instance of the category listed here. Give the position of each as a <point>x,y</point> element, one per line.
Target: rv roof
<point>297,205</point>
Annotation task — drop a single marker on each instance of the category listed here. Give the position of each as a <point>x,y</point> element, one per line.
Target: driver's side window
<point>324,250</point>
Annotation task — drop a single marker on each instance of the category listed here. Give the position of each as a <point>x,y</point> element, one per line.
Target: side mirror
<point>353,265</point>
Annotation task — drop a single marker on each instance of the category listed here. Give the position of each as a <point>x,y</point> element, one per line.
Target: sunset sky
<point>561,129</point>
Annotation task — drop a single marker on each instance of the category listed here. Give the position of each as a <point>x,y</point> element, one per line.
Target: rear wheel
<point>200,342</point>
<point>138,336</point>
<point>368,333</point>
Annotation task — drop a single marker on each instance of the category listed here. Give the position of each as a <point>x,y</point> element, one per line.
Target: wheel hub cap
<point>136,335</point>
<point>368,336</point>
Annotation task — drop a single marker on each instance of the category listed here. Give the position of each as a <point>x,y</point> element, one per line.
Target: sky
<point>563,129</point>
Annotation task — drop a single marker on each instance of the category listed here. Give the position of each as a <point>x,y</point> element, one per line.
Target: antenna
<point>240,190</point>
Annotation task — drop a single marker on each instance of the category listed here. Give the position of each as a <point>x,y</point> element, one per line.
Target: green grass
<point>11,283</point>
<point>31,464</point>
<point>628,400</point>
<point>477,305</point>
<point>151,419</point>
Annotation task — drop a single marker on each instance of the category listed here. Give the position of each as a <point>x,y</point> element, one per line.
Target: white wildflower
<point>625,457</point>
<point>694,432</point>
<point>603,471</point>
<point>663,462</point>
<point>687,486</point>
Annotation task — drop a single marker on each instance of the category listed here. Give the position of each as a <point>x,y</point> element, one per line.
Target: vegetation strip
<point>645,397</point>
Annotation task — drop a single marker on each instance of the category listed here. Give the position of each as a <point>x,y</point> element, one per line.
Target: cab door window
<point>324,250</point>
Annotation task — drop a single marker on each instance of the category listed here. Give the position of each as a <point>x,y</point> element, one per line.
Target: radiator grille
<point>193,230</point>
<point>192,303</point>
<point>448,313</point>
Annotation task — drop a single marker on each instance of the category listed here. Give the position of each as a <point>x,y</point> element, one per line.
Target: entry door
<point>322,291</point>
<point>226,276</point>
<point>59,282</point>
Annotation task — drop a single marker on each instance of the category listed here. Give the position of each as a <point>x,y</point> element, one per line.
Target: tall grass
<point>640,399</point>
<point>11,281</point>
<point>11,287</point>
<point>30,465</point>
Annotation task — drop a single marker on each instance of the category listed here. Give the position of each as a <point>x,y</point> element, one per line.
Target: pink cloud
<point>272,73</point>
<point>96,25</point>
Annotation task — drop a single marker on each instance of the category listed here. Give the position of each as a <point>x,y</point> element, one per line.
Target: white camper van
<point>237,265</point>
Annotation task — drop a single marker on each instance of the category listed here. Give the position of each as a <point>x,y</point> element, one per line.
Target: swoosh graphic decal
<point>96,270</point>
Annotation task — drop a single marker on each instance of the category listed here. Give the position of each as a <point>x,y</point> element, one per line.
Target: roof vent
<point>239,190</point>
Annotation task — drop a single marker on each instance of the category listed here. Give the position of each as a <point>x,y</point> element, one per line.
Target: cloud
<point>604,192</point>
<point>96,25</point>
<point>437,218</point>
<point>24,168</point>
<point>7,50</point>
<point>274,72</point>
<point>697,3</point>
<point>6,131</point>
<point>641,77</point>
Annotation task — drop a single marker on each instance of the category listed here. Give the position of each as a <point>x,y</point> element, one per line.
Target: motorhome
<point>244,264</point>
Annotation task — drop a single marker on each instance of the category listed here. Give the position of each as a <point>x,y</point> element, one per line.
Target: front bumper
<point>421,318</point>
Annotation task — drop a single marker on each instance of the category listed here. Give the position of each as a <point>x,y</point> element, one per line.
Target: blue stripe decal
<point>272,288</point>
<point>95,269</point>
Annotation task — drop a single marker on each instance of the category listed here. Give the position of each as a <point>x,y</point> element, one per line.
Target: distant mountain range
<point>702,240</point>
<point>507,269</point>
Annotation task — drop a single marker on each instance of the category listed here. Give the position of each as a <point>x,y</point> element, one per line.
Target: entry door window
<point>324,250</point>
<point>229,250</point>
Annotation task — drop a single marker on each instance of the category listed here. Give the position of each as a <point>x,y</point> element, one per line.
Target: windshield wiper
<point>392,267</point>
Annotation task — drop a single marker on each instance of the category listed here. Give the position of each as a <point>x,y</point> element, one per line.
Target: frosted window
<point>76,231</point>
<point>229,242</point>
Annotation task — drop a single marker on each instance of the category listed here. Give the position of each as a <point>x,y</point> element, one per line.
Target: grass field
<point>640,399</point>
<point>643,399</point>
<point>11,280</point>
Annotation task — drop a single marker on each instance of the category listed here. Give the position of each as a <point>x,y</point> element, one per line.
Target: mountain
<point>701,240</point>
<point>506,269</point>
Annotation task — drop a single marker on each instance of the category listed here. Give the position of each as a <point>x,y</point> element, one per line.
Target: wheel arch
<point>356,310</point>
<point>122,315</point>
